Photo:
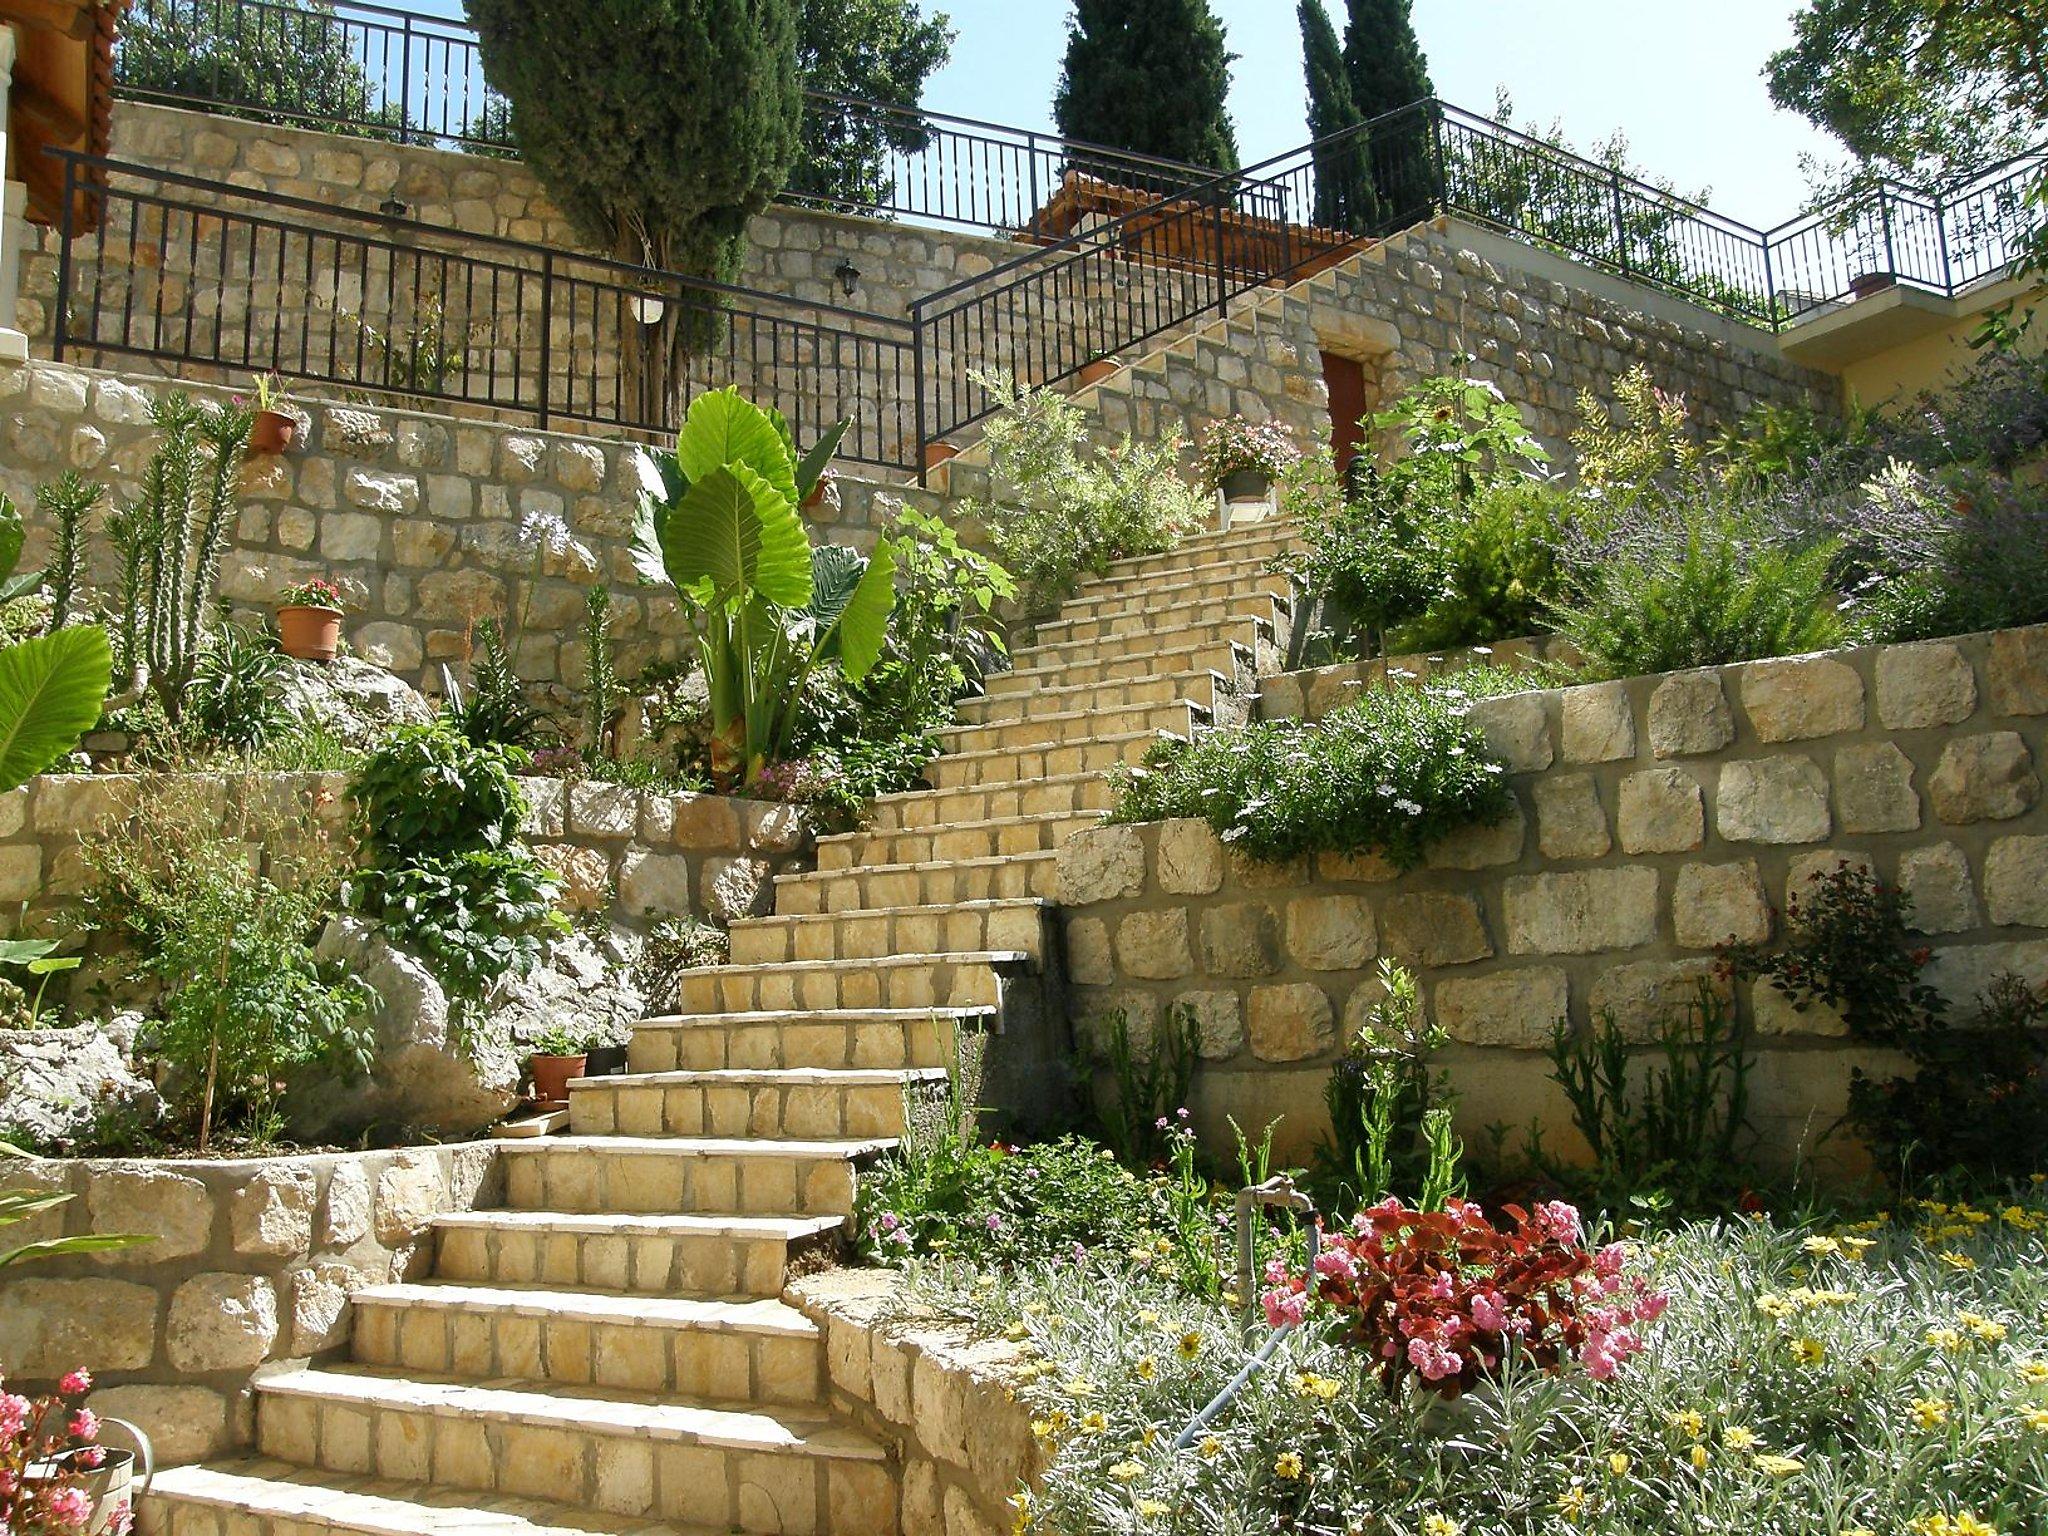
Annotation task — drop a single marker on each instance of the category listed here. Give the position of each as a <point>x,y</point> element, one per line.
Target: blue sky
<point>1682,80</point>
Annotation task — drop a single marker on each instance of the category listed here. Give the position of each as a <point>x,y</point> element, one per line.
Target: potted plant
<point>56,1477</point>
<point>558,1054</point>
<point>1095,370</point>
<point>1242,459</point>
<point>309,618</point>
<point>606,1060</point>
<point>1864,284</point>
<point>275,426</point>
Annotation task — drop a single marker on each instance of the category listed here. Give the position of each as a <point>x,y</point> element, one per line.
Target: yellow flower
<point>1211,1447</point>
<point>1984,1328</point>
<point>1079,1387</point>
<point>1127,1471</point>
<point>1149,1319</point>
<point>1700,1457</point>
<point>1308,1384</point>
<point>1780,1466</point>
<point>1441,1525</point>
<point>1687,1421</point>
<point>1853,1248</point>
<point>1822,1247</point>
<point>1190,1345</point>
<point>1152,1509</point>
<point>1146,1369</point>
<point>1287,1464</point>
<point>1774,1306</point>
<point>1617,1463</point>
<point>1808,1351</point>
<point>1738,1438</point>
<point>2034,1372</point>
<point>1572,1503</point>
<point>1016,1333</point>
<point>1094,1424</point>
<point>1959,1261</point>
<point>1949,1339</point>
<point>1929,1412</point>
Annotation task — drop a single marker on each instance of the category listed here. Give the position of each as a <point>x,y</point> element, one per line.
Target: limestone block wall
<point>1313,692</point>
<point>639,853</point>
<point>251,1262</point>
<point>946,1402</point>
<point>1654,818</point>
<point>420,518</point>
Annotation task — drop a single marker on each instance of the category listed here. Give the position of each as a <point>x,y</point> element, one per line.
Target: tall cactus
<point>66,501</point>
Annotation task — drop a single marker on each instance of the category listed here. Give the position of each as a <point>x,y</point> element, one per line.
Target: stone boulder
<point>435,1072</point>
<point>55,1084</point>
<point>348,698</point>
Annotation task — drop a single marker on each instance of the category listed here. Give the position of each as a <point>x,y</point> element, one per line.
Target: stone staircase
<point>610,1352</point>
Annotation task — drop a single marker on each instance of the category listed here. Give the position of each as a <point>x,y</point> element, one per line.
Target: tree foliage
<point>658,126</point>
<point>1150,76</point>
<point>1388,71</point>
<point>1345,196</point>
<point>875,50</point>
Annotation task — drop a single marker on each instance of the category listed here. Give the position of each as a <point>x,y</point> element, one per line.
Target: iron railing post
<point>917,389</point>
<point>405,85</point>
<point>547,331</point>
<point>1770,287</point>
<point>1441,192</point>
<point>1031,159</point>
<point>1620,222</point>
<point>1884,217</point>
<point>1222,271</point>
<point>1948,276</point>
<point>66,228</point>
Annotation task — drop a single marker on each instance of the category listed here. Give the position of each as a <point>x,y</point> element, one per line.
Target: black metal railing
<point>386,73</point>
<point>206,275</point>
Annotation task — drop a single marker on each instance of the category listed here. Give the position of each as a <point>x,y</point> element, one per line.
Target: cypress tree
<point>1150,76</point>
<point>1345,198</point>
<point>1388,71</point>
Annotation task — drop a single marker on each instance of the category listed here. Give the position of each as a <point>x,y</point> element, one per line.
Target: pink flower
<point>1560,1220</point>
<point>14,1411</point>
<point>78,1381</point>
<point>1490,1312</point>
<point>1337,1263</point>
<point>1600,1362</point>
<point>1609,1260</point>
<point>1433,1360</point>
<point>85,1425</point>
<point>995,1222</point>
<point>1652,1306</point>
<point>1284,1309</point>
<point>70,1507</point>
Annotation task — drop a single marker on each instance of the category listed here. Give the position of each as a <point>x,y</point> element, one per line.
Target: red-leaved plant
<point>1445,1296</point>
<point>47,1445</point>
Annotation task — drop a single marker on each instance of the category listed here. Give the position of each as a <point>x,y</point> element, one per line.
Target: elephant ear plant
<point>768,610</point>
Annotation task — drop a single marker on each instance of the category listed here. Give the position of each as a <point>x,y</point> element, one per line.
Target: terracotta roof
<point>63,94</point>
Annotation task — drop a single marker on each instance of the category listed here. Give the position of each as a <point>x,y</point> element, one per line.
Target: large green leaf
<point>724,428</point>
<point>51,690</point>
<point>737,532</point>
<point>835,571</point>
<point>23,951</point>
<point>864,623</point>
<point>811,468</point>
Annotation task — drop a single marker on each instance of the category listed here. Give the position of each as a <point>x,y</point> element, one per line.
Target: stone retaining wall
<point>252,1262</point>
<point>945,1401</point>
<point>1654,818</point>
<point>1313,692</point>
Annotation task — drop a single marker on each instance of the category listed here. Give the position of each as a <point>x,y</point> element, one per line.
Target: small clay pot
<point>1864,284</point>
<point>308,632</point>
<point>273,432</point>
<point>1096,372</point>
<point>551,1076</point>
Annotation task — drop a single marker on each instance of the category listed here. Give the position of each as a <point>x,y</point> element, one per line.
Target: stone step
<point>964,770</point>
<point>1146,623</point>
<point>758,1351</point>
<point>1224,570</point>
<point>1180,716</point>
<point>1059,795</point>
<point>1253,541</point>
<point>674,1175</point>
<point>1209,638</point>
<point>875,934</point>
<point>1005,835</point>
<point>1241,659</point>
<point>864,1040</point>
<point>967,980</point>
<point>800,1102</point>
<point>1206,689</point>
<point>261,1496</point>
<point>1183,589</point>
<point>779,1471</point>
<point>644,1254</point>
<point>934,882</point>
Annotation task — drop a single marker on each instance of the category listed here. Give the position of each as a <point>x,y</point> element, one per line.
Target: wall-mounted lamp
<point>648,308</point>
<point>393,208</point>
<point>849,277</point>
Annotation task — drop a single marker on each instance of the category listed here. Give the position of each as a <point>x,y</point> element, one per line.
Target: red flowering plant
<point>1444,1297</point>
<point>47,1446</point>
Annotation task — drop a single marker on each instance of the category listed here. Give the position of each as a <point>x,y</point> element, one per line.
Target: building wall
<point>1897,374</point>
<point>1654,818</point>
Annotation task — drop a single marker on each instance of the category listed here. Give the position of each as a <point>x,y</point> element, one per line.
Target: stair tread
<point>1062,670</point>
<point>902,797</point>
<point>765,1314</point>
<point>923,865</point>
<point>1097,684</point>
<point>771,1016</point>
<point>617,1410</point>
<point>349,1502</point>
<point>632,1224</point>
<point>1250,533</point>
<point>978,904</point>
<point>1060,716</point>
<point>989,823</point>
<point>956,957</point>
<point>790,1077</point>
<point>1050,746</point>
<point>705,1146</point>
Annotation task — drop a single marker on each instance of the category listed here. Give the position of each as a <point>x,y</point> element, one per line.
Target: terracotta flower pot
<point>309,633</point>
<point>936,454</point>
<point>274,432</point>
<point>1864,284</point>
<point>551,1076</point>
<point>1096,372</point>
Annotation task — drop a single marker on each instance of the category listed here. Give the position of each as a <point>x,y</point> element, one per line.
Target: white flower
<point>545,530</point>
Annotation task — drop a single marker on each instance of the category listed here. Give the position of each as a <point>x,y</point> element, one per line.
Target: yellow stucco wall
<point>1926,362</point>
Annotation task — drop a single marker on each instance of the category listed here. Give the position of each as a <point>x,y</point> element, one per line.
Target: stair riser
<point>871,850</point>
<point>1027,763</point>
<point>859,890</point>
<point>1215,572</point>
<point>786,1493</point>
<point>1140,596</point>
<point>488,1345</point>
<point>801,1112</point>
<point>641,1264</point>
<point>1205,644</point>
<point>939,984</point>
<point>666,1183</point>
<point>1202,690</point>
<point>1142,623</point>
<point>878,935</point>
<point>1000,735</point>
<point>871,1045</point>
<point>1252,549</point>
<point>1023,688</point>
<point>994,802</point>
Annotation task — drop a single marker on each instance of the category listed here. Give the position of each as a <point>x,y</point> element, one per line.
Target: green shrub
<point>1390,1115</point>
<point>1496,570</point>
<point>1699,588</point>
<point>1975,558</point>
<point>444,870</point>
<point>1389,774</point>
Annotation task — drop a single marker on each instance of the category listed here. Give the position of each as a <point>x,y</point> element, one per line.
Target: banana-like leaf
<point>51,690</point>
<point>51,965</point>
<point>725,428</point>
<point>864,623</point>
<point>740,535</point>
<point>811,468</point>
<point>22,951</point>
<point>835,571</point>
<point>650,515</point>
<point>57,1247</point>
